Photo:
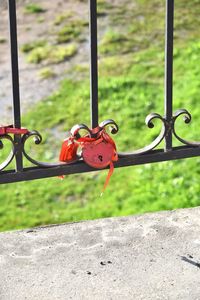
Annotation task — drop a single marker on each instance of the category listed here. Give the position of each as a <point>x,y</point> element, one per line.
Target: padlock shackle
<point>93,133</point>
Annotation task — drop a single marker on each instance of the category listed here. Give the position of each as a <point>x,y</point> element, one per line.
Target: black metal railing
<point>145,155</point>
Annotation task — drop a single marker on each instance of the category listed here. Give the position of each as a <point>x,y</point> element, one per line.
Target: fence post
<point>169,71</point>
<point>15,81</point>
<point>93,63</point>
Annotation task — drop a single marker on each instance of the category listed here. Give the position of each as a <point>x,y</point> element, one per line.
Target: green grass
<point>130,87</point>
<point>51,53</point>
<point>103,8</point>
<point>28,47</point>
<point>112,43</point>
<point>63,18</point>
<point>33,8</point>
<point>71,30</point>
<point>68,33</point>
<point>46,73</point>
<point>65,35</point>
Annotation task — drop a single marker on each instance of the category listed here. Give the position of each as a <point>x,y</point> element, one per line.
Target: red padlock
<point>101,153</point>
<point>68,151</point>
<point>98,154</point>
<point>98,149</point>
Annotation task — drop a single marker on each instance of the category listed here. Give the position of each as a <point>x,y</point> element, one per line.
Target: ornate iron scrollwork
<point>149,122</point>
<point>107,123</point>
<point>166,127</point>
<point>37,140</point>
<point>187,119</point>
<point>11,155</point>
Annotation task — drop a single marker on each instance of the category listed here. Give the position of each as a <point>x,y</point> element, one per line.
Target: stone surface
<point>152,256</point>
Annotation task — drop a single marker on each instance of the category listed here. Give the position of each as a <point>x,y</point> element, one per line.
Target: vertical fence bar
<point>169,36</point>
<point>93,63</point>
<point>15,79</point>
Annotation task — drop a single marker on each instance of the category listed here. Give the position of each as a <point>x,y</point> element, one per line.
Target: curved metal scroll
<point>187,119</point>
<point>11,154</point>
<point>149,122</point>
<point>37,140</point>
<point>93,132</point>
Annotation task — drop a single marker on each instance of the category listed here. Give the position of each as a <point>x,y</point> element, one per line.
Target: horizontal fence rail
<point>18,136</point>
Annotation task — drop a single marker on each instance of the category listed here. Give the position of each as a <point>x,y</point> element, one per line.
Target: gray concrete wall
<point>152,256</point>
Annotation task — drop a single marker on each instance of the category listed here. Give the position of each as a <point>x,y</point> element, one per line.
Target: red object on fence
<point>98,152</point>
<point>69,149</point>
<point>12,130</point>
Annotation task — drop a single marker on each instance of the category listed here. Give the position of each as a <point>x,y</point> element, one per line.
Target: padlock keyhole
<point>100,157</point>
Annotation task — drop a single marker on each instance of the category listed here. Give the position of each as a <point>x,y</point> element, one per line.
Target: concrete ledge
<point>152,256</point>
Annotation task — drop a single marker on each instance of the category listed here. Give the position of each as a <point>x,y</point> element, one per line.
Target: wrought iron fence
<point>18,137</point>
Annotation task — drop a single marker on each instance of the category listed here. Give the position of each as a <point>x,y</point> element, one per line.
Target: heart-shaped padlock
<point>98,149</point>
<point>98,154</point>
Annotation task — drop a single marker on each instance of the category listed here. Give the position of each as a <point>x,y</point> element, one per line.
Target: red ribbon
<point>12,130</point>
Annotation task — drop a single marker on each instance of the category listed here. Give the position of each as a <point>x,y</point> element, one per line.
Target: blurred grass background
<point>131,85</point>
